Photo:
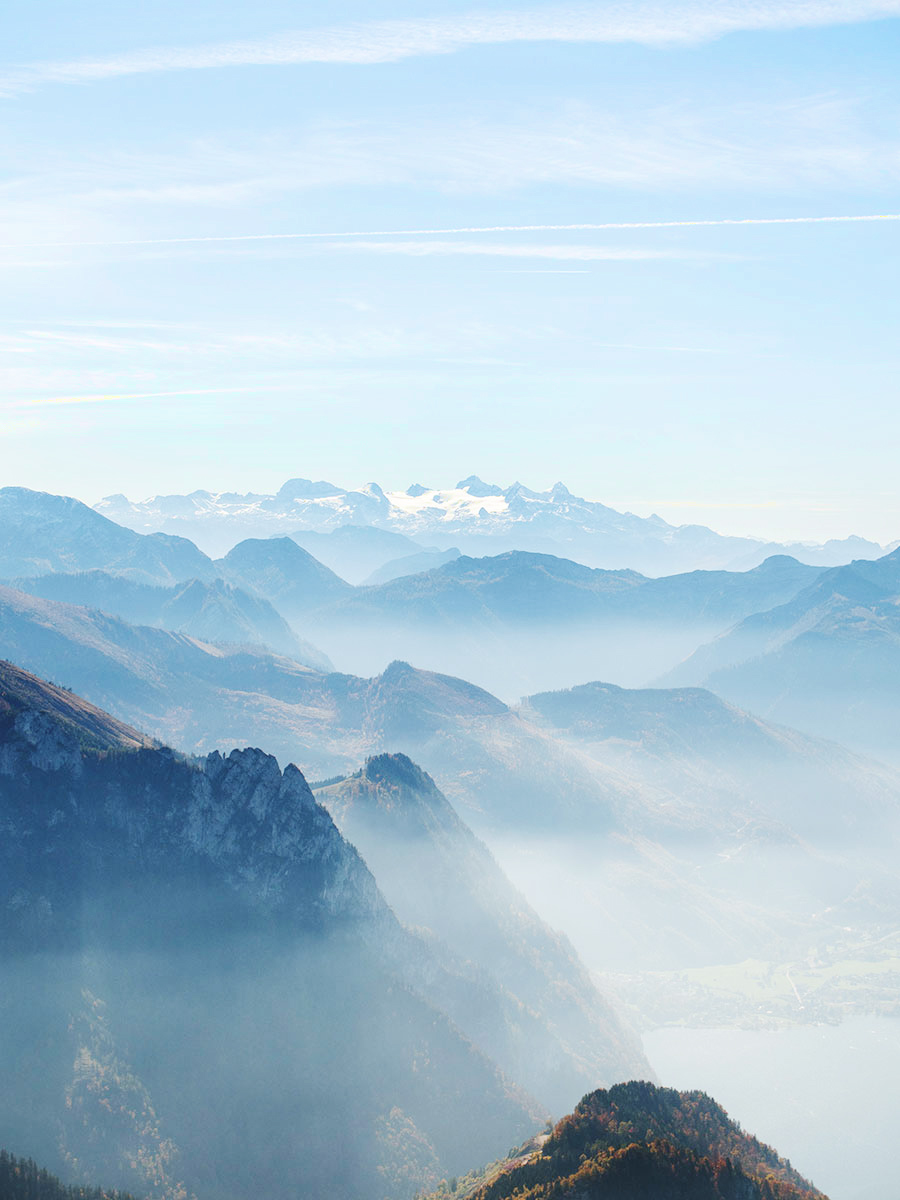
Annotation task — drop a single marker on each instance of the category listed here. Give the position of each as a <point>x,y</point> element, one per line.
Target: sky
<point>412,241</point>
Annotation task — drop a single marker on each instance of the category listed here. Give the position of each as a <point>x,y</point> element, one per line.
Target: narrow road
<point>800,1003</point>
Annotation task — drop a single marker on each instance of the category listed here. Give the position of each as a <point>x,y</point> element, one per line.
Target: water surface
<point>826,1097</point>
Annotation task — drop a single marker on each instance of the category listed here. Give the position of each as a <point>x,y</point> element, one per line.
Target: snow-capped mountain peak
<point>477,517</point>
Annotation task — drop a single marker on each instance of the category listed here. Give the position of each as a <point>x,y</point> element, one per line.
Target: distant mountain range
<point>285,574</point>
<point>356,551</point>
<point>521,621</point>
<point>515,622</point>
<point>827,661</point>
<point>808,645</point>
<point>214,611</point>
<point>42,533</point>
<point>475,517</point>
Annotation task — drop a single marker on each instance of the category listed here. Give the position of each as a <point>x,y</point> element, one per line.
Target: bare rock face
<point>239,818</point>
<point>40,742</point>
<point>264,828</point>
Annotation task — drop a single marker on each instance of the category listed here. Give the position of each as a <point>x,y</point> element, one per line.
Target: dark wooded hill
<point>641,1142</point>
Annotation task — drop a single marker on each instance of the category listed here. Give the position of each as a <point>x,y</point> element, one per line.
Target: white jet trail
<point>365,233</point>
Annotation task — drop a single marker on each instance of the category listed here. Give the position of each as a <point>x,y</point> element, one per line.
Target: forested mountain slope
<point>640,1142</point>
<point>23,1179</point>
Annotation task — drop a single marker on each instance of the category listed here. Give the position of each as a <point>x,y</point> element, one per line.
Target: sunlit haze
<point>740,375</point>
<point>449,599</point>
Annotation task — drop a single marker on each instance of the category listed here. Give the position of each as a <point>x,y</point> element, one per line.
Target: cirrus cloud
<point>389,41</point>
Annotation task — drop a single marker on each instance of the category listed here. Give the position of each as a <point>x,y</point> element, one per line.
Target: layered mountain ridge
<point>520,621</point>
<point>213,611</point>
<point>41,532</point>
<point>827,660</point>
<point>159,905</point>
<point>516,622</point>
<point>679,803</point>
<point>146,891</point>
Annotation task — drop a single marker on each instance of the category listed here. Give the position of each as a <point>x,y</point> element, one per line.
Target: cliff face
<point>204,990</point>
<point>79,822</point>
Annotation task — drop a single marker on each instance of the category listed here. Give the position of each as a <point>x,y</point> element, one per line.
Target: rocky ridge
<point>142,888</point>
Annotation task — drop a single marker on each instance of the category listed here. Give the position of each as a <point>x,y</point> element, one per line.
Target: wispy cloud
<point>579,253</point>
<point>661,349</point>
<point>118,196</point>
<point>85,341</point>
<point>230,352</point>
<point>374,42</point>
<point>104,397</point>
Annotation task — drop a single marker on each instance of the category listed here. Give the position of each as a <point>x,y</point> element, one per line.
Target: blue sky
<point>743,376</point>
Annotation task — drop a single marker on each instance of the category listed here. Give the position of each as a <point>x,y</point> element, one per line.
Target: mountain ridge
<point>176,905</point>
<point>826,661</point>
<point>41,532</point>
<point>666,807</point>
<point>211,611</point>
<point>474,516</point>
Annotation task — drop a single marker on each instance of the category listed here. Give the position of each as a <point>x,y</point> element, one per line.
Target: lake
<point>826,1097</point>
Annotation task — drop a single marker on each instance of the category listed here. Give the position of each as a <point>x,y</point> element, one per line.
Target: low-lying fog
<point>512,663</point>
<point>791,1049</point>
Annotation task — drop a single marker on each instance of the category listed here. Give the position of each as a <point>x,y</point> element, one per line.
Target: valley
<point>699,866</point>
<point>449,600</point>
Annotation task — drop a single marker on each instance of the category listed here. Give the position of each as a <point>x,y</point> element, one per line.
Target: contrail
<point>364,233</point>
